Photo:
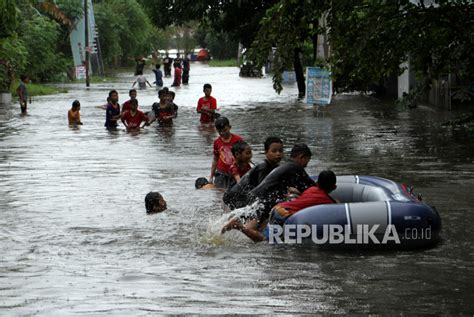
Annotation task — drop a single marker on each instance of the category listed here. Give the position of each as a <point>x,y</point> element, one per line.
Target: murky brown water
<point>74,237</point>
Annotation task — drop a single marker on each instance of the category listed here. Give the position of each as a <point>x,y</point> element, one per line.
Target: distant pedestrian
<point>142,81</point>
<point>140,65</point>
<point>177,75</point>
<point>186,69</point>
<point>167,61</point>
<point>158,76</point>
<point>23,95</point>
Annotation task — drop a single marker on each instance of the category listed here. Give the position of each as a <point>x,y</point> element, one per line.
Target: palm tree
<point>50,8</point>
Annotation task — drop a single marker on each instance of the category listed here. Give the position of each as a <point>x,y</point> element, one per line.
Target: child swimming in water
<point>203,183</point>
<point>154,203</point>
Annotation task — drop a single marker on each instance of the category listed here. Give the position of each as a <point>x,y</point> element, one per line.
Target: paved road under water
<point>75,239</point>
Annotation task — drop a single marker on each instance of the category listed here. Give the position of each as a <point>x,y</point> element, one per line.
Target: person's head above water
<point>163,92</point>
<point>273,147</point>
<point>154,202</point>
<point>327,181</point>
<point>300,154</point>
<point>132,93</point>
<point>223,126</point>
<point>203,183</point>
<point>113,96</point>
<point>242,152</point>
<point>76,105</point>
<point>200,182</point>
<point>134,104</point>
<point>207,88</point>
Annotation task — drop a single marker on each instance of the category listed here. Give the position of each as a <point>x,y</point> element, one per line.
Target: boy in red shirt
<point>133,118</point>
<point>133,96</point>
<point>242,153</point>
<point>207,105</point>
<point>223,158</point>
<point>177,75</point>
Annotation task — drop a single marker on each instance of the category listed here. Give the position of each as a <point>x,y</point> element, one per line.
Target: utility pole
<point>86,22</point>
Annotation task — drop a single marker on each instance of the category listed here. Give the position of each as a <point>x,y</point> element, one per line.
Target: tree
<point>220,44</point>
<point>12,50</point>
<point>286,27</point>
<point>369,39</point>
<point>124,30</point>
<point>237,18</point>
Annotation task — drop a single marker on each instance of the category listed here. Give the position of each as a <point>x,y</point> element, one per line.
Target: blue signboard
<point>318,86</point>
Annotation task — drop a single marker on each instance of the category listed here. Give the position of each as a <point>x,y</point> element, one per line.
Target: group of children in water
<point>133,119</point>
<point>181,71</point>
<point>280,190</point>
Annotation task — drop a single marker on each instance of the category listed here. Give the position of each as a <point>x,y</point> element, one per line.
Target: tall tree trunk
<point>299,73</point>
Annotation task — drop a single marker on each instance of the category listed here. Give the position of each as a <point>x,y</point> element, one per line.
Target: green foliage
<point>38,89</point>
<point>221,45</point>
<point>124,30</point>
<point>13,56</point>
<point>239,19</point>
<point>233,62</point>
<point>8,18</point>
<point>286,26</point>
<point>369,39</point>
<point>42,36</point>
<point>74,9</point>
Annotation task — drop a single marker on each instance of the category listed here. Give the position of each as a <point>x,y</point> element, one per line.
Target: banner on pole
<point>80,72</point>
<point>318,86</point>
<point>78,37</point>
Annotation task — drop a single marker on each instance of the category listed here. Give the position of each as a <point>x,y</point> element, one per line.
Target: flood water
<point>75,238</point>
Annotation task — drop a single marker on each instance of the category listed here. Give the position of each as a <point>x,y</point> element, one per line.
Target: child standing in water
<point>207,105</point>
<point>158,76</point>
<point>74,115</point>
<point>242,155</point>
<point>132,119</point>
<point>142,81</point>
<point>163,110</point>
<point>177,75</point>
<point>112,112</point>
<point>133,96</point>
<point>22,92</point>
<point>223,158</point>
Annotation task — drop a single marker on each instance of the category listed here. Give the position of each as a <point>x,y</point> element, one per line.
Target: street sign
<point>80,72</point>
<point>318,86</point>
